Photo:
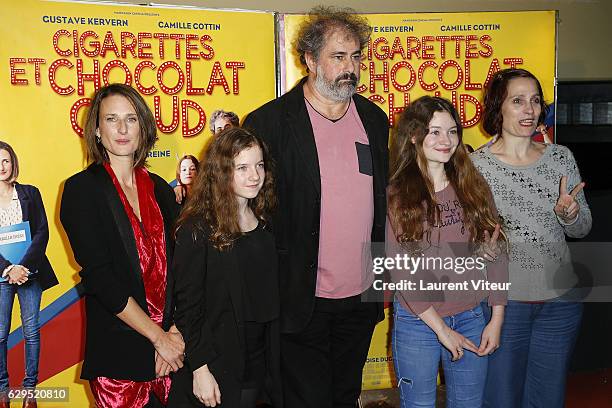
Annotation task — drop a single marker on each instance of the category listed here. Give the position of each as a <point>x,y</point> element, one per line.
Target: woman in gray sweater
<point>538,192</point>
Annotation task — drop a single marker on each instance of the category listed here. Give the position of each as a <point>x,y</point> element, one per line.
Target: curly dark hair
<point>496,93</point>
<point>321,20</point>
<point>212,202</point>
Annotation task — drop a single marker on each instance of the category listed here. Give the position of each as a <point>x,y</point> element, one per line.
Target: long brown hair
<point>411,192</point>
<point>212,203</point>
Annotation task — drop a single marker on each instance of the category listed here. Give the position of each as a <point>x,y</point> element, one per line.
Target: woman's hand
<point>162,368</point>
<point>171,348</point>
<point>455,342</point>
<point>18,274</point>
<point>205,387</point>
<point>490,338</point>
<point>179,193</point>
<point>567,207</point>
<point>489,341</point>
<point>174,329</point>
<point>489,249</point>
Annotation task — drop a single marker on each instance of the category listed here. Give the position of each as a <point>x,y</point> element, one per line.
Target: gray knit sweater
<point>540,263</point>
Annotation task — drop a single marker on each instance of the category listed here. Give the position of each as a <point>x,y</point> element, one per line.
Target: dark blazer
<point>285,126</point>
<point>209,315</point>
<point>35,260</point>
<point>103,243</point>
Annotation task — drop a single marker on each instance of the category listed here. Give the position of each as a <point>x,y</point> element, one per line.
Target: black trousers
<point>246,392</point>
<point>321,366</point>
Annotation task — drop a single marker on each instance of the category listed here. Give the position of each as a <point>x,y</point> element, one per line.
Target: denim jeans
<point>29,302</point>
<point>417,353</point>
<point>530,367</point>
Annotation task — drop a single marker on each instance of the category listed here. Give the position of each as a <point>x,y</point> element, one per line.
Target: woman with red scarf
<point>118,218</point>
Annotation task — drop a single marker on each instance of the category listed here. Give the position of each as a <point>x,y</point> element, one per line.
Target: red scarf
<point>151,245</point>
<point>150,240</point>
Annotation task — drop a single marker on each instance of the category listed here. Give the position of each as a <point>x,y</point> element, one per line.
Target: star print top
<point>540,264</point>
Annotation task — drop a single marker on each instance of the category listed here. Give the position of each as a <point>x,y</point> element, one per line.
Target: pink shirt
<point>450,240</point>
<point>347,204</point>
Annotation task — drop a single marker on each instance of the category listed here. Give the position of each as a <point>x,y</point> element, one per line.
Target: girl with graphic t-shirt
<point>440,210</point>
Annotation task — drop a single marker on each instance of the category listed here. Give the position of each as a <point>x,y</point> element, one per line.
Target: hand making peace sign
<point>567,207</point>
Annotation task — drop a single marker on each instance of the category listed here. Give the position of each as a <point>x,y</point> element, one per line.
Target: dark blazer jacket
<point>103,243</point>
<point>35,260</point>
<point>285,126</point>
<point>209,315</point>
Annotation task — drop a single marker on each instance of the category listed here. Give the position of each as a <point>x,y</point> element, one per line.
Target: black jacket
<point>209,314</point>
<point>35,260</point>
<point>104,246</point>
<point>285,126</point>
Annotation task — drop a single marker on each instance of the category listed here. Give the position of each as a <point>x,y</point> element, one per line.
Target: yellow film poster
<point>186,62</point>
<point>452,55</point>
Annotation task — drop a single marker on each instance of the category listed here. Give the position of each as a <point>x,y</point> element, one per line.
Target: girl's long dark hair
<point>412,205</point>
<point>212,203</point>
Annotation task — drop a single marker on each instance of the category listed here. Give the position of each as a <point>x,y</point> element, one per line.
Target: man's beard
<point>336,90</point>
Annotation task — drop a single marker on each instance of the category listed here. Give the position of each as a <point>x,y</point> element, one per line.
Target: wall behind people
<point>584,30</point>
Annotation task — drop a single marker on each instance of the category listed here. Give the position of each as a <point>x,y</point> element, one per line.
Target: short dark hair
<point>220,113</point>
<point>148,131</point>
<point>321,20</point>
<point>14,161</point>
<point>496,94</point>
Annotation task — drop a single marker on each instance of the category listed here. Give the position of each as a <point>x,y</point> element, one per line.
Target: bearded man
<point>329,146</point>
